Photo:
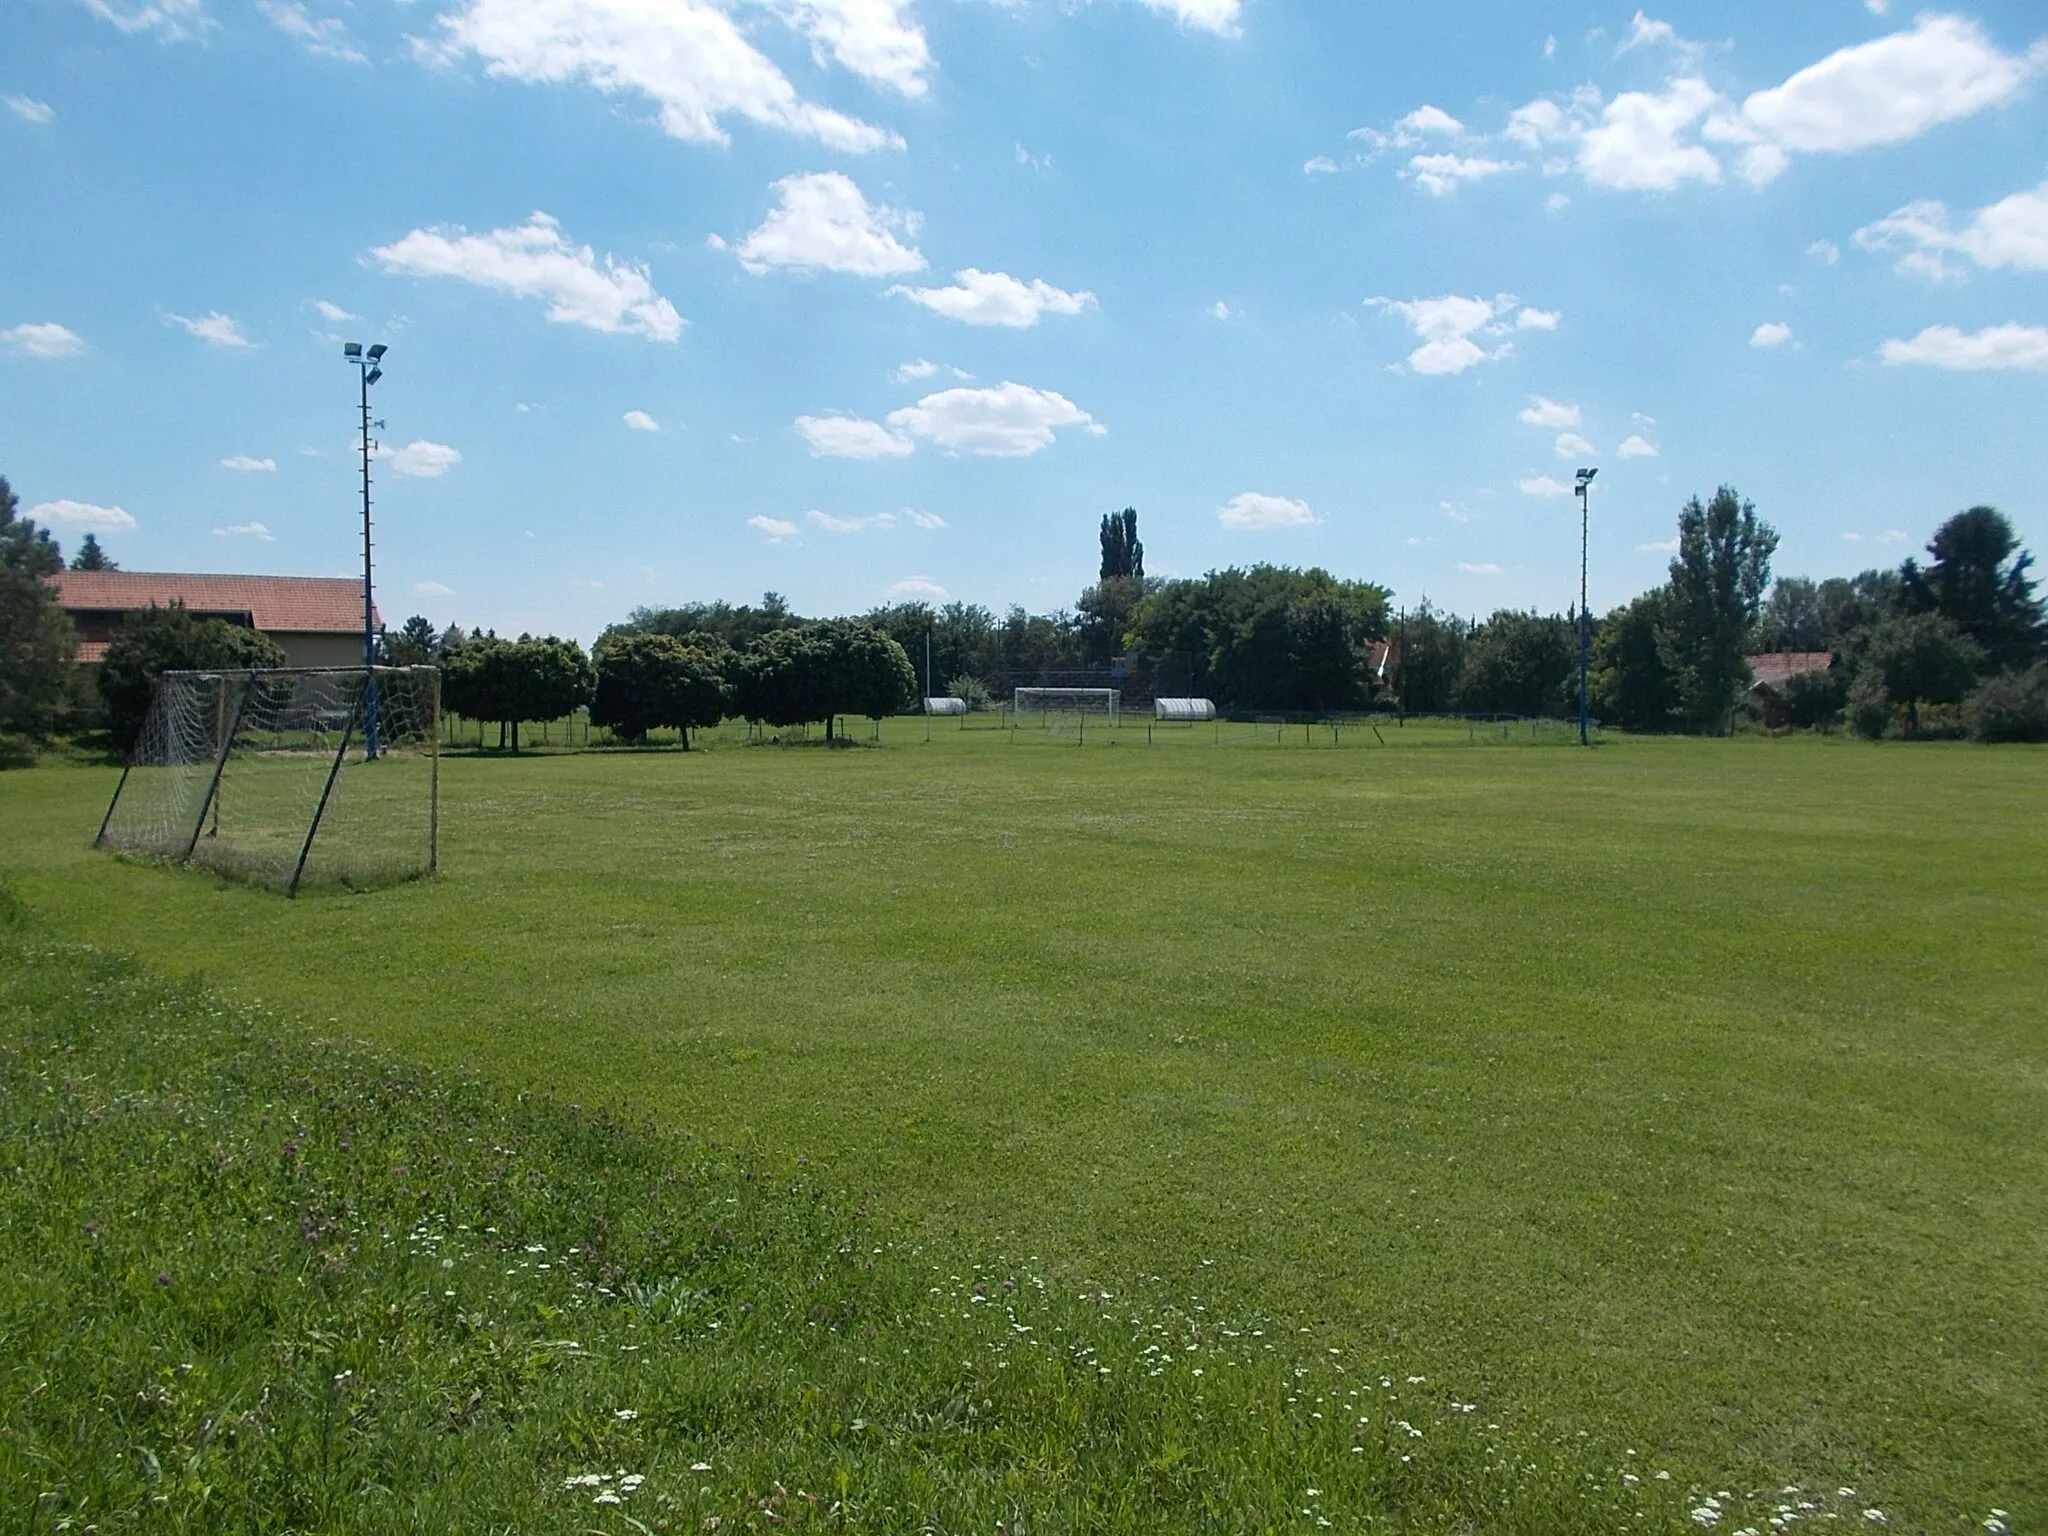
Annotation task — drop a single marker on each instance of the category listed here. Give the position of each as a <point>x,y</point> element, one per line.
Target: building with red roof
<point>316,620</point>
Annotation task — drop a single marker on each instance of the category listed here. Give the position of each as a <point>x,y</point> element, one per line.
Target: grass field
<point>1686,1094</point>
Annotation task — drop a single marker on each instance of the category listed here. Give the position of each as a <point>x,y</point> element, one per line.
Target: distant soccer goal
<point>1064,708</point>
<point>287,778</point>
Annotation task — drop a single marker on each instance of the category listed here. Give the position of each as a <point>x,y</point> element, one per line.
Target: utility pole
<point>1583,490</point>
<point>369,367</point>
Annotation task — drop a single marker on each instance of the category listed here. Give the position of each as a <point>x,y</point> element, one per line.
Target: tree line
<point>1950,645</point>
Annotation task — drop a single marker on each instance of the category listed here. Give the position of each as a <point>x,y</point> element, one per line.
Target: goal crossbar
<point>1068,701</point>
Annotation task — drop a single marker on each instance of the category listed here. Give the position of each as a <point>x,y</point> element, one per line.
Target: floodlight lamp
<point>351,349</point>
<point>373,375</point>
<point>1586,476</point>
<point>376,351</point>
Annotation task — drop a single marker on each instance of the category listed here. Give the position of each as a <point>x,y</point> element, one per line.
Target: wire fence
<point>1298,731</point>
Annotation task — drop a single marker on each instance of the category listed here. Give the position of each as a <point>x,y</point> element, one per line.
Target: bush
<point>1815,699</point>
<point>972,689</point>
<point>1869,704</point>
<point>16,750</point>
<point>2010,707</point>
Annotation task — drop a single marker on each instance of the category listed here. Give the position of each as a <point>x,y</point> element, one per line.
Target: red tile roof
<point>287,605</point>
<point>1778,668</point>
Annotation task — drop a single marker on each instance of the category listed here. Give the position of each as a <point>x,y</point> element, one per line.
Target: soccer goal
<point>1064,709</point>
<point>287,778</point>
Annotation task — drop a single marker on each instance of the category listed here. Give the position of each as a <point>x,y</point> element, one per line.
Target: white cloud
<point>1256,512</point>
<point>1995,347</point>
<point>688,56</point>
<point>824,224</point>
<point>925,520</point>
<point>2009,233</point>
<point>45,339</point>
<point>324,36</point>
<point>776,529</point>
<point>876,39</point>
<point>640,421</point>
<point>334,314</point>
<point>1550,47</point>
<point>1219,16</point>
<point>1549,413</point>
<point>910,372</point>
<point>881,522</point>
<point>1442,174</point>
<point>1319,165</point>
<point>1658,547</point>
<point>245,531</point>
<point>1220,310</point>
<point>851,437</point>
<point>172,20</point>
<point>1640,144</point>
<point>1447,325</point>
<point>1425,120</point>
<point>996,298</point>
<point>1772,333</point>
<point>82,515</point>
<point>432,589</point>
<point>1637,447</point>
<point>1487,569</point>
<point>1423,127</point>
<point>1454,511</point>
<point>1889,90</point>
<point>1643,32</point>
<point>1538,319</point>
<point>1572,446</point>
<point>249,465</point>
<point>27,107</point>
<point>533,261</point>
<point>215,329</point>
<point>421,459</point>
<point>1006,422</point>
<point>1826,252</point>
<point>1542,485</point>
<point>918,587</point>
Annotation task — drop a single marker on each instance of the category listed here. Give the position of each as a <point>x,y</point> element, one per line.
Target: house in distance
<point>316,620</point>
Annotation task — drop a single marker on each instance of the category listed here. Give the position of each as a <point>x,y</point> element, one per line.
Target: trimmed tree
<point>795,676</point>
<point>513,682</point>
<point>1916,659</point>
<point>159,640</point>
<point>649,680</point>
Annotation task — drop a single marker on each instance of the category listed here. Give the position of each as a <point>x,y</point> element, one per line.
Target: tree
<point>1919,658</point>
<point>1795,618</point>
<point>1978,581</point>
<point>735,627</point>
<point>1518,664</point>
<point>1432,652</point>
<point>158,640</point>
<point>515,681</point>
<point>644,681</point>
<point>843,666</point>
<point>1267,636</point>
<point>1715,596</point>
<point>25,548</point>
<point>91,557</point>
<point>1122,555</point>
<point>1104,611</point>
<point>1630,684</point>
<point>413,645</point>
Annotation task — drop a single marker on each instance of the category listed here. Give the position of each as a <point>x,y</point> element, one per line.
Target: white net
<point>1064,712</point>
<point>288,778</point>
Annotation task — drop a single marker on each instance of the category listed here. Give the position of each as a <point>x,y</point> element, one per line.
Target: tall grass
<point>257,1279</point>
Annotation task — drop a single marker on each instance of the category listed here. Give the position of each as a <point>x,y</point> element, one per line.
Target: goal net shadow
<point>290,779</point>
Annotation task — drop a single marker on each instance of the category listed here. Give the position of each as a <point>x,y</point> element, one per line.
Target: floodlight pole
<point>369,368</point>
<point>1584,490</point>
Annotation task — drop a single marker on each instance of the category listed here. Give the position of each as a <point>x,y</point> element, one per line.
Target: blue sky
<point>859,299</point>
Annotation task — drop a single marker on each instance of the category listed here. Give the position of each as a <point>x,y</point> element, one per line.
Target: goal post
<point>270,776</point>
<point>1063,705</point>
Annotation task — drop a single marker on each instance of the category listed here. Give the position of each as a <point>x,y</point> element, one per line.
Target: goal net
<point>1064,709</point>
<point>287,778</point>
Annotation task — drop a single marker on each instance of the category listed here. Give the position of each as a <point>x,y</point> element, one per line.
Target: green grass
<point>1685,1094</point>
